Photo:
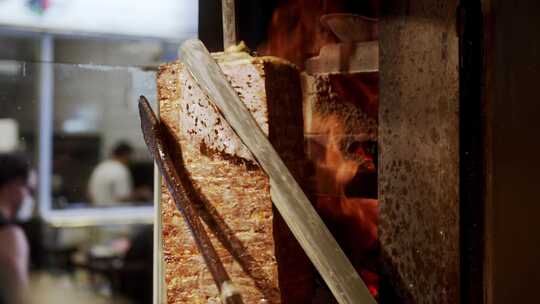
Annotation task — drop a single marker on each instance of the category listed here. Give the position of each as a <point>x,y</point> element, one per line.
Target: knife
<point>159,140</point>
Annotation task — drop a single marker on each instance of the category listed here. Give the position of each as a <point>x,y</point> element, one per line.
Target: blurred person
<point>14,250</point>
<point>32,224</point>
<point>111,181</point>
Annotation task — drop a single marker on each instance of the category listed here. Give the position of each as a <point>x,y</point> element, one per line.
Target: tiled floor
<point>46,288</point>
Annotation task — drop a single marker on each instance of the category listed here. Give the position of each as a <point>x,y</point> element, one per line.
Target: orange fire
<point>356,218</point>
<point>352,220</point>
<point>297,34</point>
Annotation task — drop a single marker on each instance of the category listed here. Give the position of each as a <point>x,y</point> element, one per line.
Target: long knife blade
<point>158,138</point>
<point>291,202</point>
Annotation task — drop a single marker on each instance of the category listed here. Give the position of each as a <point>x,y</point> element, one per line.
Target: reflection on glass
<point>94,112</point>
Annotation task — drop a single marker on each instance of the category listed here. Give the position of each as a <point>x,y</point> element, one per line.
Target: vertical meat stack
<point>232,192</point>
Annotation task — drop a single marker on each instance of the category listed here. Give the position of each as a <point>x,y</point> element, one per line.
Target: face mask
<point>27,209</point>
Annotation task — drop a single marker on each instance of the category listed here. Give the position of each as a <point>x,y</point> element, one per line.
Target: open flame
<point>334,171</point>
<point>352,219</point>
<point>332,174</point>
<point>296,34</point>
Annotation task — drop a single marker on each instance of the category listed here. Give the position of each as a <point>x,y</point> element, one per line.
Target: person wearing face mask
<point>14,251</point>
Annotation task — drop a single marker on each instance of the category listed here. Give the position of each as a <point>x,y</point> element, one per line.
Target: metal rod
<point>157,136</point>
<point>45,131</point>
<point>228,8</point>
<point>291,202</point>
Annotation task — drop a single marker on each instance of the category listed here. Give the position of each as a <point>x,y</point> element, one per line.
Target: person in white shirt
<point>111,183</point>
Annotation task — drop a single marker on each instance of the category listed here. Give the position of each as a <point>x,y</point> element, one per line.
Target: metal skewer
<point>230,37</point>
<point>158,139</point>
